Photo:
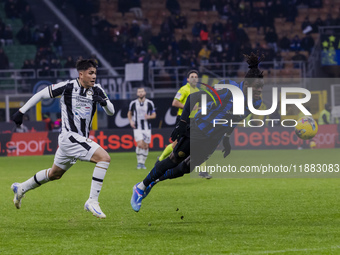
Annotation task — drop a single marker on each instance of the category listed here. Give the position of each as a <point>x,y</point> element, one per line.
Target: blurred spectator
<point>291,11</point>
<point>28,17</point>
<point>241,35</point>
<point>337,20</point>
<point>196,30</point>
<point>57,41</point>
<point>2,29</point>
<point>135,7</point>
<point>329,20</point>
<point>47,38</point>
<point>193,63</point>
<point>145,30</point>
<point>196,45</point>
<point>48,122</point>
<point>154,61</point>
<point>217,42</point>
<point>182,21</point>
<point>306,23</point>
<point>69,63</point>
<point>20,129</point>
<point>298,57</point>
<point>204,54</point>
<point>295,44</point>
<point>11,9</point>
<point>8,35</point>
<point>184,44</point>
<point>55,64</point>
<point>57,123</point>
<point>173,6</point>
<point>24,35</point>
<point>27,65</point>
<point>318,23</point>
<point>271,39</point>
<point>116,52</point>
<point>4,63</point>
<point>170,61</point>
<point>284,43</point>
<point>258,20</point>
<point>278,61</point>
<point>217,27</point>
<point>134,30</point>
<point>307,43</point>
<point>204,35</point>
<point>167,28</point>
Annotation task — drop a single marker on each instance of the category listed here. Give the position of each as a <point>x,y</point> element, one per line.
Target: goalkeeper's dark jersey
<point>224,111</point>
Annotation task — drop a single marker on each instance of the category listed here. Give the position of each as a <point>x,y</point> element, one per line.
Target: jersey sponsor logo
<point>83,101</point>
<point>120,121</point>
<point>89,92</point>
<point>170,119</point>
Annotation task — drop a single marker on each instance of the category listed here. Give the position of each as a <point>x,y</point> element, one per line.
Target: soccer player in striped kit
<point>140,111</point>
<point>79,98</point>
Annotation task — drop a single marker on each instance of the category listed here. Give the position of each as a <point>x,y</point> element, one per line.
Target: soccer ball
<point>306,128</point>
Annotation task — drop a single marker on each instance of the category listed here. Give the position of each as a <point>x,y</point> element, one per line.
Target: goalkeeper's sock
<point>159,170</point>
<point>37,180</point>
<point>98,178</point>
<point>167,151</point>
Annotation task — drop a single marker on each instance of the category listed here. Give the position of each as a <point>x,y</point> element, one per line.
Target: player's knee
<point>55,175</point>
<point>175,157</point>
<point>106,158</point>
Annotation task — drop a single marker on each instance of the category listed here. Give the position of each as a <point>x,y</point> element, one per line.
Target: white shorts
<point>73,146</point>
<point>144,135</point>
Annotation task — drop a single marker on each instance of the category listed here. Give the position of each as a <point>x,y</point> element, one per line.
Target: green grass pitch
<point>183,216</point>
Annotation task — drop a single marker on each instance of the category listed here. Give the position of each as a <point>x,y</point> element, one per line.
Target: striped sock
<point>139,153</point>
<point>144,155</point>
<point>38,179</point>
<point>98,178</point>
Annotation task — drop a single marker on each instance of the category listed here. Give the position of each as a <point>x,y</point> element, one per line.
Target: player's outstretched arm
<point>42,94</point>
<point>109,108</point>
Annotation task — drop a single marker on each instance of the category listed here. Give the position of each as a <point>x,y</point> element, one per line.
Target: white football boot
<point>92,206</point>
<point>18,194</point>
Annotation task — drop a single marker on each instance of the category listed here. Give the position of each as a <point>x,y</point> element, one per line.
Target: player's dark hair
<point>253,61</point>
<point>192,71</point>
<point>84,64</point>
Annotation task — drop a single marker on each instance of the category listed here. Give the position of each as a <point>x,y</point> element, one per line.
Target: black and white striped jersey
<point>77,105</point>
<point>139,110</point>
